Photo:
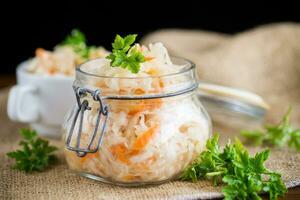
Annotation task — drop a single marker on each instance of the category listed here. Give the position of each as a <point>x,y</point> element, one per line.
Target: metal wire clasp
<point>82,107</point>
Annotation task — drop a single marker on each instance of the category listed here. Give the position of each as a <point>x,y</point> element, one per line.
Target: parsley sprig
<point>125,56</point>
<point>36,154</point>
<point>77,41</point>
<point>279,135</point>
<point>243,176</point>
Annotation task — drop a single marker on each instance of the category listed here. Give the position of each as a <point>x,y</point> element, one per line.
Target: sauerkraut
<point>146,140</point>
<point>61,61</point>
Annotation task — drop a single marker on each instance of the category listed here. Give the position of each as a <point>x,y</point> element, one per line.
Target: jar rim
<point>189,67</point>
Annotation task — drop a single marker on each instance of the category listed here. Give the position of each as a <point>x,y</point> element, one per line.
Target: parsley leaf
<point>77,41</point>
<point>36,154</point>
<point>125,56</point>
<point>280,135</point>
<point>243,176</point>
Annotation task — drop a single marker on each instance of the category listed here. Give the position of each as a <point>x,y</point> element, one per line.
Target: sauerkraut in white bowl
<point>156,125</point>
<point>63,60</point>
<point>44,78</point>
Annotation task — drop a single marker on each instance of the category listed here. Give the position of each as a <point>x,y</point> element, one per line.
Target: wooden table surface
<point>9,80</point>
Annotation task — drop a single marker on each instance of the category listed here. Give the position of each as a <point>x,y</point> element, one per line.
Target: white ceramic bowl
<point>40,100</point>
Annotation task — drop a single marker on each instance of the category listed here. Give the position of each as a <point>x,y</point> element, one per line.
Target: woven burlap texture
<point>60,183</point>
<point>264,60</point>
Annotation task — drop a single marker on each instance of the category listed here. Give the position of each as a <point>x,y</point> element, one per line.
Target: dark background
<point>24,26</point>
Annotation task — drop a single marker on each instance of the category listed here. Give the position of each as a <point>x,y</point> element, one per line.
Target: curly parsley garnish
<point>123,55</point>
<point>243,176</point>
<point>36,154</point>
<point>77,41</point>
<point>280,135</point>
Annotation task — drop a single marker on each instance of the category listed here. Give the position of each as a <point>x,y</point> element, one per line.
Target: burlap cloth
<point>265,60</point>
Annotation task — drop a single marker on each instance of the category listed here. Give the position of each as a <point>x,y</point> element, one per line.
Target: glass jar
<point>125,135</point>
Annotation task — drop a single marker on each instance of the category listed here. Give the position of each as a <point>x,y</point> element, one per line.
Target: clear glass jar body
<point>148,138</point>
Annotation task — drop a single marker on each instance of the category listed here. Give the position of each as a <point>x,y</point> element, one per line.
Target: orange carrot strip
<point>120,151</point>
<point>148,58</point>
<point>143,105</point>
<point>52,70</point>
<point>161,83</point>
<point>39,52</point>
<point>143,140</point>
<point>100,84</point>
<point>89,156</point>
<point>130,177</point>
<point>122,91</point>
<point>139,91</point>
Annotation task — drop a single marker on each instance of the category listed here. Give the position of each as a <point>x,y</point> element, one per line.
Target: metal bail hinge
<point>82,107</point>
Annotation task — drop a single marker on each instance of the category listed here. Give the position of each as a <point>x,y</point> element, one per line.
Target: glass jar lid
<point>223,103</point>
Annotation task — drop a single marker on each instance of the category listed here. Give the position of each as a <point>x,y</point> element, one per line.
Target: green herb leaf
<point>294,141</point>
<point>125,56</point>
<point>275,187</point>
<point>280,135</point>
<point>129,40</point>
<point>75,38</point>
<point>77,41</point>
<point>243,176</point>
<point>36,154</point>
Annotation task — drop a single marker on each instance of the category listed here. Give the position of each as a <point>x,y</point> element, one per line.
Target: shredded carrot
<point>149,58</point>
<point>142,166</point>
<point>89,156</point>
<point>130,177</point>
<point>52,70</point>
<point>39,52</point>
<point>152,159</point>
<point>143,140</point>
<point>67,72</point>
<point>161,83</point>
<point>139,91</point>
<point>183,128</point>
<point>143,105</point>
<point>120,151</point>
<point>100,84</point>
<point>135,110</point>
<point>122,91</point>
<point>123,154</point>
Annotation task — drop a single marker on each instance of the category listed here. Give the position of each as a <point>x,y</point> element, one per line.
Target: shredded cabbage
<point>62,61</point>
<point>145,140</point>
